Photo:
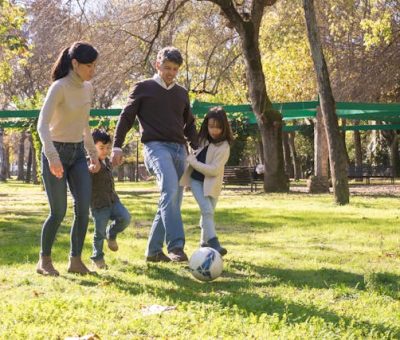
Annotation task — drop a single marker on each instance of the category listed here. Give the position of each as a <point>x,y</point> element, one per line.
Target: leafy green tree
<point>13,52</point>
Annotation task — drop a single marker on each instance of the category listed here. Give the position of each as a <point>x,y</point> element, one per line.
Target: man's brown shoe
<point>112,244</point>
<point>177,255</point>
<point>76,266</point>
<point>159,257</point>
<point>45,267</point>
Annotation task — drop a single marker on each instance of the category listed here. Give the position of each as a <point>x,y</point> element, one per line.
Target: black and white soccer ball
<point>206,264</point>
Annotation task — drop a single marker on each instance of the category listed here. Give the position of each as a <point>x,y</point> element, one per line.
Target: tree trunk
<point>3,167</point>
<point>29,166</point>
<point>21,156</point>
<point>260,151</point>
<point>343,135</point>
<point>131,171</point>
<point>319,183</point>
<point>121,173</point>
<point>34,164</point>
<point>293,155</point>
<point>286,155</point>
<point>394,155</point>
<point>357,150</point>
<point>269,121</point>
<point>37,147</point>
<point>7,160</point>
<point>337,152</point>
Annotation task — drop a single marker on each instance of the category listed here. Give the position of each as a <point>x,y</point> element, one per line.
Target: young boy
<point>105,204</point>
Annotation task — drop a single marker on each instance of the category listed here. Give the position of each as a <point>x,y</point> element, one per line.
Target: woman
<point>64,131</point>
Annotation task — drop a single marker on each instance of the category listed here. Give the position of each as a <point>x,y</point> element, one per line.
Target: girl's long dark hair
<point>219,115</point>
<point>83,52</point>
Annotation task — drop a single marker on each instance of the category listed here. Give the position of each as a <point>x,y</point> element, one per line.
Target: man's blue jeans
<point>167,162</point>
<point>76,175</point>
<point>120,218</point>
<point>207,207</point>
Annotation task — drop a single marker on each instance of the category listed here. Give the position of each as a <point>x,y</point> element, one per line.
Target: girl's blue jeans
<point>207,206</point>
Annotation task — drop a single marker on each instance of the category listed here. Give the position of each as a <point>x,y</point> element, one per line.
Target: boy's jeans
<point>120,218</point>
<point>207,207</point>
<point>167,162</point>
<point>76,174</point>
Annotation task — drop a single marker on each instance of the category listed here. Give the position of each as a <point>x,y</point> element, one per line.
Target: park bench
<point>256,179</point>
<point>367,172</point>
<point>241,176</point>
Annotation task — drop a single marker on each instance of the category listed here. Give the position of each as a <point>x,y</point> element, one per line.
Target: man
<point>166,122</point>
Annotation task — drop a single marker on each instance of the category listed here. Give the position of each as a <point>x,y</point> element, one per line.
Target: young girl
<point>64,131</point>
<point>206,170</point>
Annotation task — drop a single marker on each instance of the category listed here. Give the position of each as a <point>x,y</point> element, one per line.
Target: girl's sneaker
<point>214,243</point>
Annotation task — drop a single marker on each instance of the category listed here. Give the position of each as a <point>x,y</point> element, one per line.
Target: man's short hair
<point>100,135</point>
<point>170,53</point>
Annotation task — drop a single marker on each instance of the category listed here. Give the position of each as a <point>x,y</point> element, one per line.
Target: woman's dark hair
<point>101,136</point>
<point>219,115</point>
<point>84,53</point>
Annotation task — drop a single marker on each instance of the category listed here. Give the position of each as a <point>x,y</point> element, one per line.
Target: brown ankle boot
<point>45,267</point>
<point>77,266</point>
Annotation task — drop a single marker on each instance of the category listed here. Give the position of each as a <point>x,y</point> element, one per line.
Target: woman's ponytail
<point>81,51</point>
<point>62,66</point>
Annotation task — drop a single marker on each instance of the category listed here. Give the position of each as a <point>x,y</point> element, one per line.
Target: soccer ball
<point>206,264</point>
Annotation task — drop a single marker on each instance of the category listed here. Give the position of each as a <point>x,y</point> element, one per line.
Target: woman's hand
<point>94,165</point>
<point>57,169</point>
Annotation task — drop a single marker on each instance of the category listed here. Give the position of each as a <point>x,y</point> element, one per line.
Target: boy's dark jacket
<point>103,190</point>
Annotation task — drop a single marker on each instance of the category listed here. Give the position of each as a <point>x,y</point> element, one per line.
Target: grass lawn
<point>298,267</point>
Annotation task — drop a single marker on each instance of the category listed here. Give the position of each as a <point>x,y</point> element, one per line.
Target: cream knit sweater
<point>65,115</point>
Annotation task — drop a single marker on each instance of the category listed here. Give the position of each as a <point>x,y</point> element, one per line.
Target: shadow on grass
<point>238,292</point>
<point>20,232</point>
<point>256,219</point>
<point>318,279</point>
<point>20,239</point>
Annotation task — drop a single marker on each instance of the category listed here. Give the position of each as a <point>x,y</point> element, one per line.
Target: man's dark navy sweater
<point>164,115</point>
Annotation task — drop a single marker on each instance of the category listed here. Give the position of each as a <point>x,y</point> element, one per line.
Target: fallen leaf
<point>156,309</point>
<point>84,337</point>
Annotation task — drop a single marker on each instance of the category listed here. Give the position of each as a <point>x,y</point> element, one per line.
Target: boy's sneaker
<point>100,264</point>
<point>159,257</point>
<point>177,255</point>
<point>112,244</point>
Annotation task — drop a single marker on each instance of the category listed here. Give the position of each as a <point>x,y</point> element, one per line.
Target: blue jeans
<point>120,218</point>
<point>76,175</point>
<point>167,162</point>
<point>207,207</point>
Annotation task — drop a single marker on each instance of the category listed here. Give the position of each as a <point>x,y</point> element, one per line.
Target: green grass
<point>298,267</point>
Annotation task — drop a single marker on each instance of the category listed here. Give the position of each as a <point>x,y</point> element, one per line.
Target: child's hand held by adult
<point>116,157</point>
<point>94,166</point>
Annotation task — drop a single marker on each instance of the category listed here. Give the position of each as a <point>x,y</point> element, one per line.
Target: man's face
<point>167,71</point>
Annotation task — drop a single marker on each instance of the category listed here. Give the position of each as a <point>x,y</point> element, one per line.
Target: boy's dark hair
<point>170,53</point>
<point>83,52</point>
<point>219,115</point>
<point>101,136</point>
